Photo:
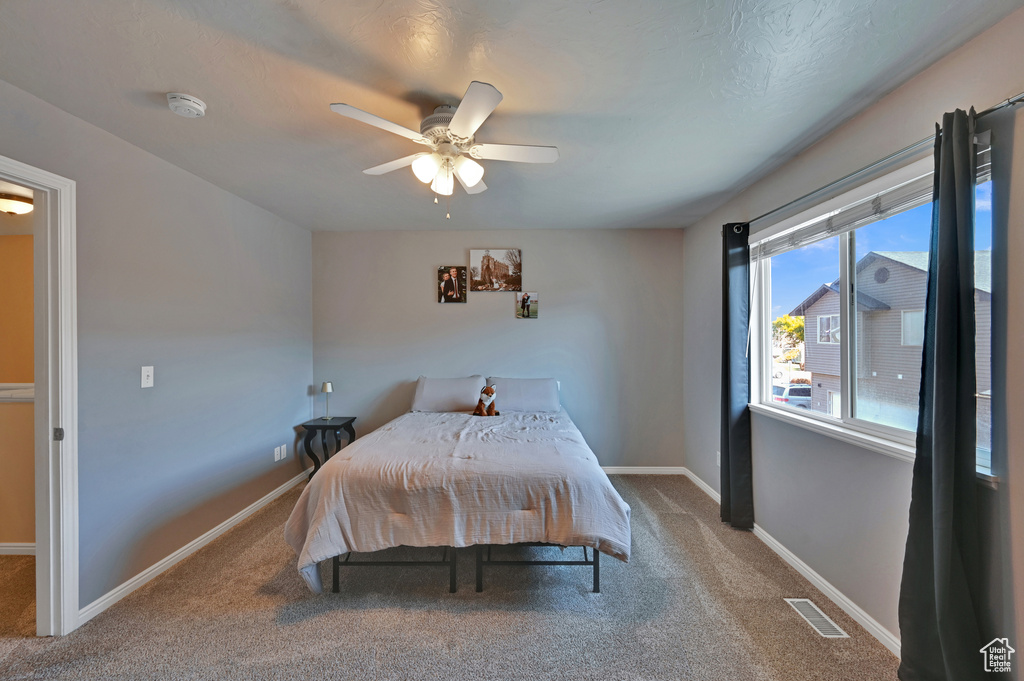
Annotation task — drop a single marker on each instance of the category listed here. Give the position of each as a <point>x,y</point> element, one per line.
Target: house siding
<point>821,357</point>
<point>888,372</point>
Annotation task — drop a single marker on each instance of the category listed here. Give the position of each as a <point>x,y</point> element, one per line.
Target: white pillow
<point>525,394</point>
<point>447,394</point>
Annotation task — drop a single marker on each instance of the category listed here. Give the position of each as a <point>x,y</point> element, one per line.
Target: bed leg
<point>597,571</point>
<point>336,563</point>
<point>451,572</point>
<point>479,568</point>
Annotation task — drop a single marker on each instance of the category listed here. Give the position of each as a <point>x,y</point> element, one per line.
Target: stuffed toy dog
<point>485,407</point>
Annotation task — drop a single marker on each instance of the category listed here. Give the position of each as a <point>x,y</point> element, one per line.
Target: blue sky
<point>796,274</point>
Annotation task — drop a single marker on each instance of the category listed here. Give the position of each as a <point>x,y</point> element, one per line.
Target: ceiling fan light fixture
<point>425,167</point>
<point>469,171</point>
<point>15,205</point>
<point>444,181</point>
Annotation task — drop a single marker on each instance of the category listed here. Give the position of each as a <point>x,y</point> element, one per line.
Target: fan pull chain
<point>448,208</point>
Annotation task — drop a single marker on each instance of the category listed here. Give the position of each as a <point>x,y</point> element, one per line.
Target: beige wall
<point>17,483</point>
<point>847,517</point>
<point>16,338</point>
<point>608,329</point>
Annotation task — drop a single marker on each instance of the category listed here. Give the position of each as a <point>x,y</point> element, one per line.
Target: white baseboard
<point>885,637</point>
<point>644,470</point>
<point>116,594</point>
<point>873,627</point>
<point>708,489</point>
<point>16,549</point>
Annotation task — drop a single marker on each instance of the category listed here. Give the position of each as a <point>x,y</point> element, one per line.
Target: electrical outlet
<point>284,452</point>
<point>718,459</point>
<point>147,377</point>
<point>277,453</point>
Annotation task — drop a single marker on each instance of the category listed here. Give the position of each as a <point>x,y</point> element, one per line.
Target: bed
<point>446,478</point>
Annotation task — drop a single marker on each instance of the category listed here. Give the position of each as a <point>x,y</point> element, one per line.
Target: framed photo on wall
<point>496,269</point>
<point>527,305</point>
<point>451,284</point>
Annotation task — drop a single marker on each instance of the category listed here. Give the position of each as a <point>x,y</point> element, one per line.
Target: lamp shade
<point>327,387</point>
<point>444,181</point>
<point>425,167</point>
<point>15,205</point>
<point>469,171</point>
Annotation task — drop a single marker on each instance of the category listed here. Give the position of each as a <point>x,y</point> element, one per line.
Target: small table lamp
<point>328,388</point>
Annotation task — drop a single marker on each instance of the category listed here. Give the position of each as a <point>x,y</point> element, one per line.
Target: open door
<point>56,395</point>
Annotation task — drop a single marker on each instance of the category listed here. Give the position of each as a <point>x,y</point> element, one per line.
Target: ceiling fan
<point>448,132</point>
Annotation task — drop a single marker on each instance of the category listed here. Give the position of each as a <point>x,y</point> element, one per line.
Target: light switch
<point>147,377</point>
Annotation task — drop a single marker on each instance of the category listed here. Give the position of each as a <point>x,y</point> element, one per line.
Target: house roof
<point>919,261</point>
<point>864,301</point>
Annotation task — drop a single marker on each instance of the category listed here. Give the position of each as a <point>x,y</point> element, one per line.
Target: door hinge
<point>58,434</point>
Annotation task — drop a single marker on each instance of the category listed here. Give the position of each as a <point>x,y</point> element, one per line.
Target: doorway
<point>55,398</point>
<point>17,430</point>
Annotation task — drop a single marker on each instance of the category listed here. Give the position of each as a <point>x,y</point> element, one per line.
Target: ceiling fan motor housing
<point>435,126</point>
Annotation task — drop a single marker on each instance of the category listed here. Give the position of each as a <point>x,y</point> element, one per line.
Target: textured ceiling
<point>660,109</point>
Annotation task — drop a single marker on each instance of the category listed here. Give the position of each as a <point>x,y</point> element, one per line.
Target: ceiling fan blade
<point>378,122</point>
<point>475,189</point>
<point>394,165</point>
<point>519,153</point>
<point>477,104</point>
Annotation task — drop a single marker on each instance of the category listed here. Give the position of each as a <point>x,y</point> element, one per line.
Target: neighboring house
<point>891,289</point>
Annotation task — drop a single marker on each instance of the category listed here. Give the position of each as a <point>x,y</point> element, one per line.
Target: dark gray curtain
<point>940,593</point>
<point>737,490</point>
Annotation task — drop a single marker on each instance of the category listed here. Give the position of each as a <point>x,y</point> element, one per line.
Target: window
<point>828,329</point>
<point>862,269</point>
<point>983,308</point>
<point>913,327</point>
<point>803,293</point>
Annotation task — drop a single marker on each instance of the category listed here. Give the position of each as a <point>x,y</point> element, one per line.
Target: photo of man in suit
<point>451,283</point>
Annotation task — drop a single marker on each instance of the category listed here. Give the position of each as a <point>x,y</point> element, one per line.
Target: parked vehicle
<point>794,395</point>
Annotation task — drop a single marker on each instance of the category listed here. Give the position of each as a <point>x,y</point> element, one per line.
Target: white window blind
<point>903,197</point>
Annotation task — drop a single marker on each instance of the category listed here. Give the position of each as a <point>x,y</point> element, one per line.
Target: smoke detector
<point>186,105</point>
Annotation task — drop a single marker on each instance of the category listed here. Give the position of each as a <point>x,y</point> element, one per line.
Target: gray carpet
<point>697,601</point>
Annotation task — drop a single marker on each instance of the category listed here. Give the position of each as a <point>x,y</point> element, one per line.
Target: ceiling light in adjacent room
<point>469,171</point>
<point>15,205</point>
<point>425,167</point>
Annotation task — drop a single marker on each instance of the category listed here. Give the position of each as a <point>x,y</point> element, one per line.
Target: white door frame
<point>56,395</point>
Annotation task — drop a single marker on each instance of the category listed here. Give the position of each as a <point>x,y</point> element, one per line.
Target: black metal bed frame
<point>448,558</point>
<point>595,562</point>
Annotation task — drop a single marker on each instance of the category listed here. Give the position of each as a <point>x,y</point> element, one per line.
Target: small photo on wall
<point>451,284</point>
<point>527,305</point>
<point>496,269</point>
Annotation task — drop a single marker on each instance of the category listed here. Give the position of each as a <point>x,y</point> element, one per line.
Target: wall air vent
<point>816,618</point>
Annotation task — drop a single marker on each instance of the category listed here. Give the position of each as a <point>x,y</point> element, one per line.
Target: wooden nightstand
<point>335,425</point>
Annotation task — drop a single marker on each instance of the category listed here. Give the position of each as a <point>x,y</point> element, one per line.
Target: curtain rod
<point>916,146</point>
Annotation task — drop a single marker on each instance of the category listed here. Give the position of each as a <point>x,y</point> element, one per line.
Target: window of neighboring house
<point>913,327</point>
<point>864,269</point>
<point>828,329</point>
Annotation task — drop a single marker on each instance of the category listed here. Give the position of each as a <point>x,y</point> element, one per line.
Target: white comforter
<point>452,479</point>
